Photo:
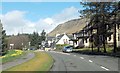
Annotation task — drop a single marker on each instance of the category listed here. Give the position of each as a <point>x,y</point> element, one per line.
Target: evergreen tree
<point>3,40</point>
<point>0,36</point>
<point>100,14</point>
<point>43,35</point>
<point>36,39</point>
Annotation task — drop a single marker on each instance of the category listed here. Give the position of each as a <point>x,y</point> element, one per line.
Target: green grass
<point>41,62</point>
<point>9,58</point>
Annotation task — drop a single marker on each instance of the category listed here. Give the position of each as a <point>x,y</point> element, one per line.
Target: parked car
<point>67,49</point>
<point>31,48</point>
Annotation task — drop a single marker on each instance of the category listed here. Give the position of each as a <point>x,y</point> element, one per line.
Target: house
<point>63,39</point>
<point>50,42</point>
<point>110,39</point>
<point>86,36</point>
<point>80,39</point>
<point>18,42</point>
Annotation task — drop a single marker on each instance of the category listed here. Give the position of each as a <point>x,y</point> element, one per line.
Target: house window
<point>86,40</point>
<point>64,41</point>
<point>109,38</point>
<point>118,37</point>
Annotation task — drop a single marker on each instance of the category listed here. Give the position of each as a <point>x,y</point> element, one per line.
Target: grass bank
<point>41,62</point>
<point>12,55</point>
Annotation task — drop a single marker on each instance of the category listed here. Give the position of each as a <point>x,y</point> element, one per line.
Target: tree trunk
<point>114,36</point>
<point>104,46</point>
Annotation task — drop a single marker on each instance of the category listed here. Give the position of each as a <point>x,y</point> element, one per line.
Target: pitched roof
<point>50,38</point>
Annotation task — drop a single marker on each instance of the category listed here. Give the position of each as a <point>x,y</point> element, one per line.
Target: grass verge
<point>41,62</point>
<point>11,55</point>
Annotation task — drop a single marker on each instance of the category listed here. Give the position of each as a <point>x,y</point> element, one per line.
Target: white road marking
<point>64,53</point>
<point>90,61</point>
<point>67,54</point>
<point>60,52</point>
<point>104,68</point>
<point>81,57</point>
<point>75,55</point>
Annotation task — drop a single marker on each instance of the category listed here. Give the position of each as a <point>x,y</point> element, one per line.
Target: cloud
<point>48,21</point>
<point>15,21</point>
<point>66,14</point>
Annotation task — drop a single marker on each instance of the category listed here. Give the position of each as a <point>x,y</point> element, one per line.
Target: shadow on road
<point>98,53</point>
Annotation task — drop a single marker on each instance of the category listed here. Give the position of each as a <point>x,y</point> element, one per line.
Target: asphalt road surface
<point>79,62</point>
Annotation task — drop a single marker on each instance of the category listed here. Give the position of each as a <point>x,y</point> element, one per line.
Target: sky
<point>27,17</point>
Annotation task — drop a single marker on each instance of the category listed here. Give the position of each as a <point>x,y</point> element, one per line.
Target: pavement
<point>17,61</point>
<point>80,62</point>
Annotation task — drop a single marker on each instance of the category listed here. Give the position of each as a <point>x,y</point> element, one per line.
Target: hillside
<point>68,27</point>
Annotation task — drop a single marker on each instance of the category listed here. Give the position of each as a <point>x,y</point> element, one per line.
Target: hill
<point>68,27</point>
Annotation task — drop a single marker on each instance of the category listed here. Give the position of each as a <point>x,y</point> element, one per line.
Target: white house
<point>79,40</point>
<point>63,39</point>
<point>110,39</point>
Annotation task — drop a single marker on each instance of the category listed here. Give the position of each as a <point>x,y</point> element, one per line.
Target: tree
<point>43,35</point>
<point>3,39</point>
<point>116,19</point>
<point>34,39</point>
<point>98,12</point>
<point>0,36</point>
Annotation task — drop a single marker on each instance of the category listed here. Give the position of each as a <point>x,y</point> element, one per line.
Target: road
<point>79,62</point>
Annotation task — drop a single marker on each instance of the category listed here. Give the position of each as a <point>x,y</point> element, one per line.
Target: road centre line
<point>74,55</point>
<point>90,61</point>
<point>81,57</point>
<point>104,68</point>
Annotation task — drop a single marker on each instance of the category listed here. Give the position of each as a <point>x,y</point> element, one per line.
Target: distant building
<point>50,42</point>
<point>18,42</point>
<point>63,39</point>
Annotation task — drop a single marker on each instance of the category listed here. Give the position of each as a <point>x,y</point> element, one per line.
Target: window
<point>86,40</point>
<point>109,38</point>
<point>118,37</point>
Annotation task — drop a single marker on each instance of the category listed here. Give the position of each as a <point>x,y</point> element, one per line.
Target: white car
<point>67,49</point>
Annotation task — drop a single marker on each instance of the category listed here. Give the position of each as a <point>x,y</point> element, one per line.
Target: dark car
<point>31,48</point>
<point>67,49</point>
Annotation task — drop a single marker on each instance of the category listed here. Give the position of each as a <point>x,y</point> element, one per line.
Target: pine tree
<point>99,13</point>
<point>3,40</point>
